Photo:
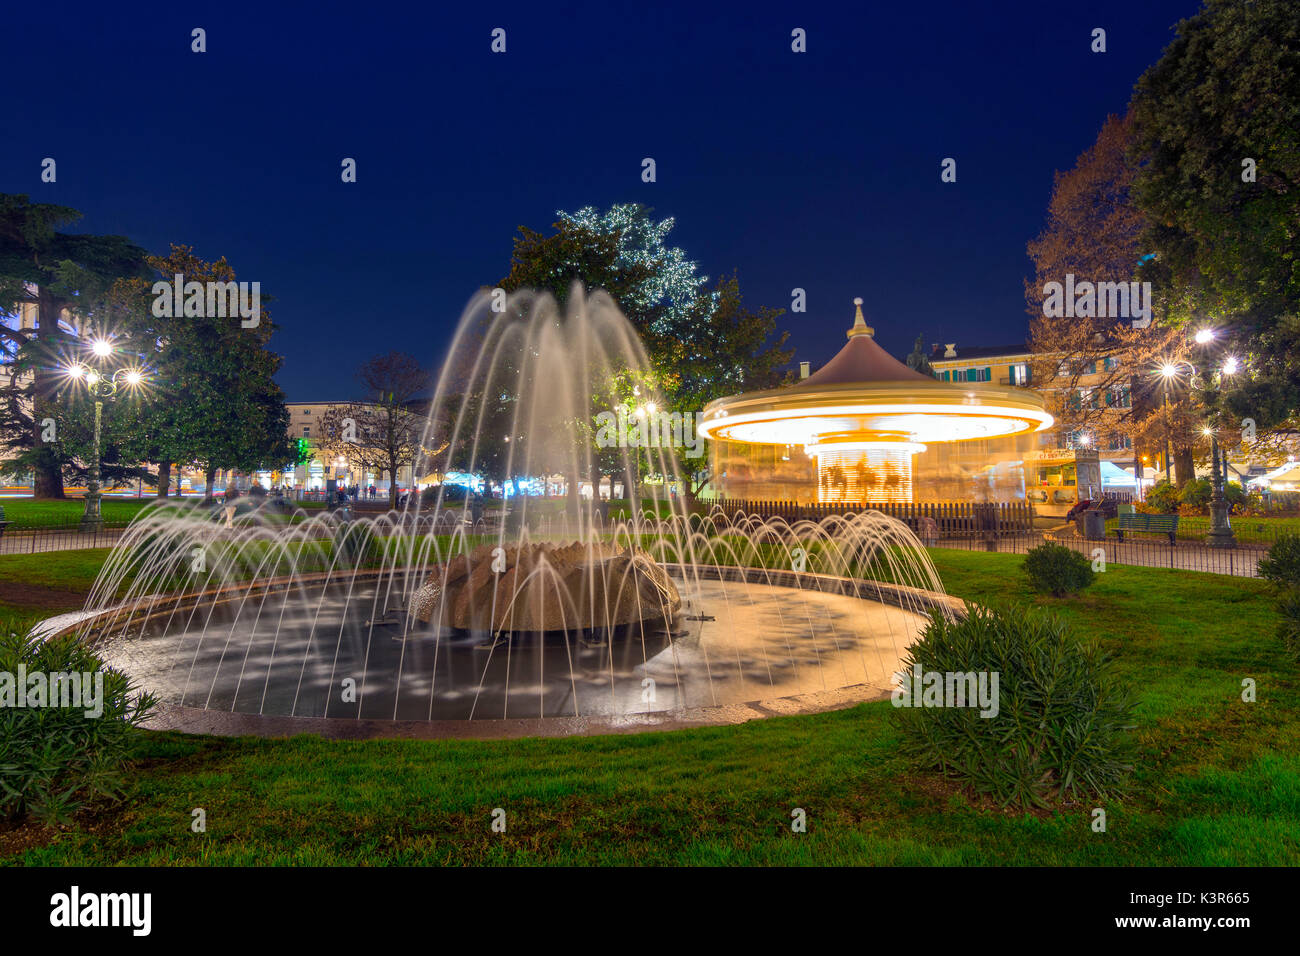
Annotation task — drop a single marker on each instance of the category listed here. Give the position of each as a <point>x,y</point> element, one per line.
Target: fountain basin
<point>750,643</point>
<point>544,587</point>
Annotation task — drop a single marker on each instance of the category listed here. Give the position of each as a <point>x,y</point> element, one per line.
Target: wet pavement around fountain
<point>736,642</point>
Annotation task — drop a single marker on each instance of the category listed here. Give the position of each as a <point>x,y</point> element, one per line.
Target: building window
<point>306,431</point>
<point>1118,397</point>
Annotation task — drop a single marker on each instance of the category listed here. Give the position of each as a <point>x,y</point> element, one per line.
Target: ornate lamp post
<point>1220,534</point>
<point>102,388</point>
<point>1167,372</point>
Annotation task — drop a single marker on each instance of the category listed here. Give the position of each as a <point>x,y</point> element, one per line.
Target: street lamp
<point>1167,371</point>
<point>1220,534</point>
<point>102,389</point>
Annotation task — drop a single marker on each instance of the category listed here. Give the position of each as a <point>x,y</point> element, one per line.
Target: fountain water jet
<point>543,608</point>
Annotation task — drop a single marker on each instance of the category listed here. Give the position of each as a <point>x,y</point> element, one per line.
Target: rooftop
<point>938,352</point>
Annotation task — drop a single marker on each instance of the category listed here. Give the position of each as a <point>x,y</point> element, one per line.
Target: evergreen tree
<point>56,272</point>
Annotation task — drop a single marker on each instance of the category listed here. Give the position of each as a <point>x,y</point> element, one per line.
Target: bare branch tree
<point>382,432</point>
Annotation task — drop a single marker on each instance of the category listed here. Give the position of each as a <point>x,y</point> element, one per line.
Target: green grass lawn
<point>1217,780</point>
<point>30,513</point>
<point>65,570</point>
<point>1248,529</point>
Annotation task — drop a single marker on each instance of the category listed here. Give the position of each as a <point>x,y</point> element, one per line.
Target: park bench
<point>1140,523</point>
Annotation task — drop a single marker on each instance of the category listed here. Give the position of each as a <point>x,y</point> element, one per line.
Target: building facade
<point>308,426</point>
<point>1088,451</point>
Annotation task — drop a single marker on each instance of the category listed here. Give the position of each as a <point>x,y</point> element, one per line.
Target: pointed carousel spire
<point>860,326</point>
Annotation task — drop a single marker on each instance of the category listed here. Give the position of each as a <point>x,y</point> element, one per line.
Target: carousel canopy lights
<point>866,392</point>
<point>864,401</point>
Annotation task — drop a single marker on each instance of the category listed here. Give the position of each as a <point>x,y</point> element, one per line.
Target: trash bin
<point>1094,524</point>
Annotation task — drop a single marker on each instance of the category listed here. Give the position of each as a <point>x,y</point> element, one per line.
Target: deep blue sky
<point>818,170</point>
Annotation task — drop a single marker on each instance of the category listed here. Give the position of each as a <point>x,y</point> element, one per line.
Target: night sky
<point>817,170</point>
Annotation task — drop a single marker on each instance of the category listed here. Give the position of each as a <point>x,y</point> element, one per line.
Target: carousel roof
<point>862,360</point>
<point>864,397</point>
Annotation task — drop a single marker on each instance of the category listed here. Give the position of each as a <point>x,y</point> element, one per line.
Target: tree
<point>215,401</point>
<point>621,252</point>
<point>1094,368</point>
<point>103,319</point>
<point>383,431</point>
<point>1179,425</point>
<point>701,344</point>
<point>667,287</point>
<point>727,348</point>
<point>49,269</point>
<point>1217,123</point>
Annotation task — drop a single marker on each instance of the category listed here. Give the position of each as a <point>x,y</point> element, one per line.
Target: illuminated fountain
<point>863,416</point>
<point>544,612</point>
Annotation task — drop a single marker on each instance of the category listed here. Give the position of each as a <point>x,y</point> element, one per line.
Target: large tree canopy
<point>214,399</point>
<point>1096,371</point>
<point>623,252</point>
<point>58,273</point>
<point>702,343</point>
<point>1217,123</point>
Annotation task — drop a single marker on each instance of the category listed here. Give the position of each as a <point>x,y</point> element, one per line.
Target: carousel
<point>863,416</point>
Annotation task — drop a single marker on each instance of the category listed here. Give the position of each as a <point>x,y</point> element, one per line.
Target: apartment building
<point>1088,451</point>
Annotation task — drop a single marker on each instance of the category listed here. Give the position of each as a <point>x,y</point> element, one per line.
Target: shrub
<point>1235,495</point>
<point>1288,631</point>
<point>1057,570</point>
<point>1283,501</point>
<point>1195,493</point>
<point>1161,498</point>
<point>453,496</point>
<point>1281,565</point>
<point>1060,728</point>
<point>55,759</point>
